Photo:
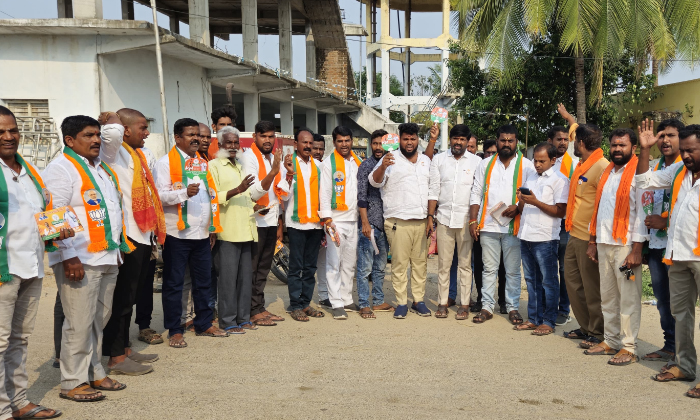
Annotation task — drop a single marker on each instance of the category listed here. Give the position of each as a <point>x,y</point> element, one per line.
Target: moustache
<point>308,149</point>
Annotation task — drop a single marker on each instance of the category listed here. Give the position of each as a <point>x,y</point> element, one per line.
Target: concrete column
<point>174,25</point>
<point>199,21</point>
<point>251,105</point>
<point>385,57</point>
<point>331,123</point>
<point>87,9</point>
<point>284,14</point>
<point>312,120</point>
<point>127,10</point>
<point>370,57</point>
<point>287,117</point>
<point>445,76</point>
<point>310,55</point>
<point>446,17</point>
<point>65,9</point>
<point>249,9</point>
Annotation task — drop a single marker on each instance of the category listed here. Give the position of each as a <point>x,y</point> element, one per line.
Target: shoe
<point>142,357</point>
<point>352,308</point>
<point>563,319</point>
<point>384,307</point>
<point>401,311</point>
<point>339,313</point>
<point>130,367</point>
<point>420,309</point>
<point>451,302</point>
<point>475,307</point>
<point>504,309</point>
<point>326,303</point>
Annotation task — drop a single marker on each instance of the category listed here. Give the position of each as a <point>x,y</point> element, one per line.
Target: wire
<point>7,14</point>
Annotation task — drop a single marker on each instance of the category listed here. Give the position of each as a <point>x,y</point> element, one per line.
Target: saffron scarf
<point>5,275</point>
<point>567,165</point>
<point>262,173</point>
<point>514,225</point>
<point>675,188</point>
<point>621,217</point>
<point>581,169</point>
<point>178,175</point>
<point>338,182</point>
<point>145,201</point>
<point>99,224</point>
<point>300,212</point>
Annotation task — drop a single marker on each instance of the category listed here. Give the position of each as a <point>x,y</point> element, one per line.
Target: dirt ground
<point>383,368</point>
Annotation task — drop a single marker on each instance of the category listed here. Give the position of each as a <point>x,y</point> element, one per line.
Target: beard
<point>408,154</point>
<point>223,153</point>
<point>457,150</point>
<point>621,160</point>
<point>506,153</point>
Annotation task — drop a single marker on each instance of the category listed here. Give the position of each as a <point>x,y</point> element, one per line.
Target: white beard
<point>223,153</point>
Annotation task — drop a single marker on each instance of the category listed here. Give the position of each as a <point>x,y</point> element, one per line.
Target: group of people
<point>576,224</point>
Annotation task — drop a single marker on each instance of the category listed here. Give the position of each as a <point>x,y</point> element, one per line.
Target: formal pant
<point>177,254</point>
<point>447,238</point>
<point>233,260</point>
<point>540,269</point>
<point>493,245</point>
<point>409,247</point>
<point>187,305</point>
<point>144,298</point>
<point>19,303</point>
<point>659,283</point>
<point>321,278</point>
<point>58,318</point>
<point>564,305</point>
<point>303,256</point>
<point>262,260</point>
<point>583,286</point>
<point>87,306</point>
<point>371,264</point>
<point>132,274</point>
<point>684,283</point>
<point>340,264</point>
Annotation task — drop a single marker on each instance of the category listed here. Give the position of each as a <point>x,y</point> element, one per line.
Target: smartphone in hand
<point>525,191</point>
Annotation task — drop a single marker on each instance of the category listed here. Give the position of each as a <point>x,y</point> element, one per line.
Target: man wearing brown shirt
<point>581,273</point>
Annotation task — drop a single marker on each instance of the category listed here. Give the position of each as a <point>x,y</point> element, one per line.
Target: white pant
<point>321,274</point>
<point>340,264</point>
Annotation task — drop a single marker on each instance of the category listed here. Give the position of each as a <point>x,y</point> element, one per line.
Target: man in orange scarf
<point>617,238</point>
<point>123,135</point>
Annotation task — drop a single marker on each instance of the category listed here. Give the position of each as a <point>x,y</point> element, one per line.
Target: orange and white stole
<point>300,212</point>
<point>338,182</point>
<point>262,173</point>
<point>514,225</point>
<point>621,217</point>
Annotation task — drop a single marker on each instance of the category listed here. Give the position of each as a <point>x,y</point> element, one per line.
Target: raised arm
<point>646,141</point>
<point>112,136</point>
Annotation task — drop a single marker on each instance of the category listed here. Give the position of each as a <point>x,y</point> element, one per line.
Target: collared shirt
<point>369,197</point>
<point>451,183</point>
<point>289,198</point>
<point>657,197</point>
<point>404,188</point>
<point>114,155</point>
<point>683,231</point>
<point>25,249</point>
<point>557,164</point>
<point>349,215</point>
<point>198,207</point>
<point>500,190</point>
<point>584,199</point>
<point>235,214</point>
<point>251,167</point>
<point>551,188</point>
<point>63,180</point>
<point>636,231</point>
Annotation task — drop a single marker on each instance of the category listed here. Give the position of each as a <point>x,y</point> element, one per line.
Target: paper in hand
<point>497,213</point>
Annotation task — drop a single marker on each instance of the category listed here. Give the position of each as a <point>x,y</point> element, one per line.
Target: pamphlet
<point>374,242</point>
<point>278,247</point>
<point>51,222</point>
<point>497,213</point>
<point>268,207</point>
<point>390,142</point>
<point>195,170</point>
<point>438,115</point>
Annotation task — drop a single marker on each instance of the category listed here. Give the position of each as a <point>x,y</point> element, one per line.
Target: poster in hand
<point>438,115</point>
<point>51,222</point>
<point>390,142</point>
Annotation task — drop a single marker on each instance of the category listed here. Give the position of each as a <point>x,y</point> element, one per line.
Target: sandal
<point>366,313</point>
<point>663,356</point>
<point>526,326</point>
<point>213,332</point>
<point>234,329</point>
<point>515,318</point>
<point>30,415</point>
<point>116,385</point>
<point>85,391</point>
<point>633,358</point>
<point>482,317</point>
<point>576,334</point>
<point>441,311</point>
<point>262,321</point>
<point>272,317</point>
<point>543,330</point>
<point>692,393</point>
<point>150,336</point>
<point>177,341</point>
<point>676,375</point>
<point>589,342</point>
<point>607,350</point>
<point>248,326</point>
<point>299,315</point>
<point>313,313</point>
<point>462,313</point>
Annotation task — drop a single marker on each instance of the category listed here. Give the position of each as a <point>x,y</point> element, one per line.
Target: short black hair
<point>302,129</point>
<point>556,129</point>
<point>622,132</point>
<point>341,130</point>
<point>180,125</point>
<point>224,111</point>
<point>590,135</point>
<point>377,133</point>
<point>71,126</point>
<point>319,138</point>
<point>689,130</point>
<point>671,122</point>
<point>507,129</point>
<point>489,144</point>
<point>6,111</point>
<point>461,130</point>
<point>408,128</point>
<point>548,147</point>
<point>265,126</point>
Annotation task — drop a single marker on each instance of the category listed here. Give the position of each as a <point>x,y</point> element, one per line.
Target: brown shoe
<point>384,307</point>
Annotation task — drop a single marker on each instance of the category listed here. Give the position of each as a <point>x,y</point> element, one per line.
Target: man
<point>542,203</point>
<point>123,135</point>
<point>234,247</point>
<point>205,142</point>
<point>369,263</point>
<point>338,214</point>
<point>86,267</point>
<point>472,144</point>
<point>300,185</point>
<point>495,184</point>
<point>22,251</point>
<point>220,118</point>
<point>558,136</point>
<point>682,249</point>
<point>318,151</point>
<point>490,148</point>
<point>451,179</point>
<point>581,273</point>
<point>191,218</point>
<point>668,143</point>
<point>402,177</point>
<point>617,238</point>
<point>259,163</point>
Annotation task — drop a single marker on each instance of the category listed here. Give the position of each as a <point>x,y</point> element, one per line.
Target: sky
<point>424,25</point>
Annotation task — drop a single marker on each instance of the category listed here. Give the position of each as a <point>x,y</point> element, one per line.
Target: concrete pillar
<point>284,14</point>
<point>445,75</point>
<point>199,21</point>
<point>87,9</point>
<point>174,25</point>
<point>312,120</point>
<point>65,9</point>
<point>331,123</point>
<point>249,10</point>
<point>287,117</point>
<point>310,55</point>
<point>446,17</point>
<point>127,10</point>
<point>251,105</point>
<point>370,57</point>
<point>385,57</point>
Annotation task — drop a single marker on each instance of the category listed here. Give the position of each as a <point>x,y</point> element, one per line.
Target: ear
<point>127,131</point>
<point>69,141</point>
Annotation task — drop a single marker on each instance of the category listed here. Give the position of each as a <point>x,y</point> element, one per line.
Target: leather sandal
<point>462,313</point>
<point>441,311</point>
<point>676,375</point>
<point>82,390</point>
<point>482,317</point>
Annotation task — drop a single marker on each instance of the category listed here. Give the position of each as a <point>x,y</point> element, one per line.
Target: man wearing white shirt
<point>542,203</point>
<point>495,184</point>
<point>617,239</point>
<point>451,179</point>
<point>402,177</point>
<point>339,211</point>
<point>189,246</point>
<point>260,162</point>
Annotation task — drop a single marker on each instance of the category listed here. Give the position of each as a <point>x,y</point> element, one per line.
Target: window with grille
<point>28,107</point>
<point>39,142</point>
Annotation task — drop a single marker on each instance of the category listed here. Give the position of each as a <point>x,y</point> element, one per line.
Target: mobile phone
<point>525,191</point>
